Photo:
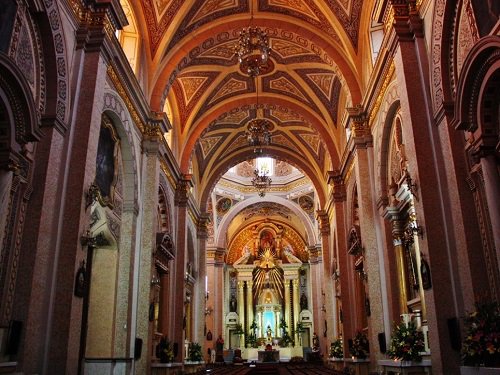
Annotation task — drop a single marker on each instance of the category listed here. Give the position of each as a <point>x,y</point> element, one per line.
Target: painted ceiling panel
<point>188,89</point>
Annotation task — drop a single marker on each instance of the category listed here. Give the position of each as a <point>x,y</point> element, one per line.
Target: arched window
<point>129,36</point>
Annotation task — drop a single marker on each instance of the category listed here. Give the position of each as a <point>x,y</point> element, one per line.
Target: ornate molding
<point>182,191</point>
<point>339,193</point>
<point>407,21</point>
<point>97,20</point>
<point>126,99</point>
<point>383,89</point>
<point>324,222</point>
<point>202,226</point>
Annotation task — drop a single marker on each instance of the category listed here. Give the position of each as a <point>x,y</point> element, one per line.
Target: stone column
<point>392,214</point>
<point>56,322</point>
<point>346,292</point>
<point>178,311</point>
<point>249,305</point>
<point>288,305</point>
<point>491,177</point>
<point>151,172</point>
<point>363,162</point>
<point>296,309</point>
<point>260,333</point>
<point>164,301</point>
<point>219,291</point>
<point>241,301</point>
<point>426,164</point>
<point>277,319</point>
<point>316,287</point>
<point>214,263</point>
<point>328,313</point>
<point>200,305</point>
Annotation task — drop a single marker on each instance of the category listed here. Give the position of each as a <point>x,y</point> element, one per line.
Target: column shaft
<point>178,311</point>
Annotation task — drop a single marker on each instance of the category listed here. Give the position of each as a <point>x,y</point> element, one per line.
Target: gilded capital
<point>336,179</point>
<point>358,121</point>
<point>182,190</point>
<point>202,226</point>
<point>324,221</point>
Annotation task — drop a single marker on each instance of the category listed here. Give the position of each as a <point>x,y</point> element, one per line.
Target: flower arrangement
<point>300,328</point>
<point>336,349</point>
<point>285,336</point>
<point>251,338</point>
<point>164,351</point>
<point>194,352</point>
<point>239,329</point>
<point>360,347</point>
<point>481,345</point>
<point>406,343</point>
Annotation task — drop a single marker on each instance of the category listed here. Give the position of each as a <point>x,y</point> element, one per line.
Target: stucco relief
<point>437,36</point>
<point>60,56</point>
<point>465,38</point>
<point>26,51</point>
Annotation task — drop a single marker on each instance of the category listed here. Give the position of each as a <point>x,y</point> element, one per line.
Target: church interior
<point>184,183</point>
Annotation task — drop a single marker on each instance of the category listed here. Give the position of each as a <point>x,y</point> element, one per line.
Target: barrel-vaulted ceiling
<point>312,76</point>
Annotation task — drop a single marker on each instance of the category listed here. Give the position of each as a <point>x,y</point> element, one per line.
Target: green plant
<point>194,352</point>
<point>360,346</point>
<point>251,338</point>
<point>300,328</point>
<point>239,330</point>
<point>406,343</point>
<point>285,337</point>
<point>336,349</point>
<point>481,345</point>
<point>164,351</point>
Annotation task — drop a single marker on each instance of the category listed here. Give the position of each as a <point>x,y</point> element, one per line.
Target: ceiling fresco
<point>160,15</point>
<point>312,73</point>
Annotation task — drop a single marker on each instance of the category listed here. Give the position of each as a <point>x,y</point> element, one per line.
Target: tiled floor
<point>271,369</point>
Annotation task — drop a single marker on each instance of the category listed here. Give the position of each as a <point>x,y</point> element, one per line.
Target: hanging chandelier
<point>259,133</point>
<point>261,182</point>
<point>253,51</point>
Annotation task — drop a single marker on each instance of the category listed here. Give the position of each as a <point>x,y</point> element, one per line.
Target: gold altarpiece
<point>266,287</point>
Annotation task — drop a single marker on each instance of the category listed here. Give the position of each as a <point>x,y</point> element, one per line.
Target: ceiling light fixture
<point>253,50</point>
<point>259,133</point>
<point>261,182</point>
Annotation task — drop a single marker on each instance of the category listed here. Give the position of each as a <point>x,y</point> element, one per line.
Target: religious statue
<point>269,333</point>
<point>233,304</point>
<point>303,302</point>
<point>315,343</point>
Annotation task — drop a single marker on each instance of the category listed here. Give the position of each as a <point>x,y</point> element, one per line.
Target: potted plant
<point>336,349</point>
<point>360,347</point>
<point>406,343</point>
<point>481,344</point>
<point>238,330</point>
<point>251,338</point>
<point>285,337</point>
<point>164,351</point>
<point>300,330</point>
<point>194,352</point>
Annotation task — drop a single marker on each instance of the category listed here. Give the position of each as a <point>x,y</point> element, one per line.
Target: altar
<point>268,356</point>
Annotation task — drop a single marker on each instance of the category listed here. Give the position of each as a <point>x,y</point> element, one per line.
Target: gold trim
<point>389,21</point>
<point>124,95</point>
<point>170,178</point>
<point>383,90</point>
<point>249,189</point>
<point>77,8</point>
